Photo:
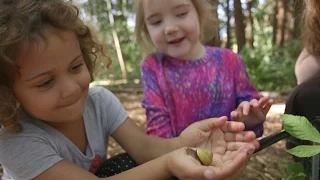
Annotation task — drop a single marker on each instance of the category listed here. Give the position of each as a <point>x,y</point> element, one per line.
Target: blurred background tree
<point>266,33</point>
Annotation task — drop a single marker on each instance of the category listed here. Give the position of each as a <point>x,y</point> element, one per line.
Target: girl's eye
<point>156,22</point>
<point>77,68</point>
<point>45,84</point>
<point>182,14</point>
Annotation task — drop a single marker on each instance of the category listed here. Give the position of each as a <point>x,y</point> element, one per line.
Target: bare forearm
<point>154,146</point>
<point>140,146</point>
<point>155,170</point>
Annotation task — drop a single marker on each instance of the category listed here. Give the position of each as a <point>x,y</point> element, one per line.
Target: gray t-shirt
<point>39,146</point>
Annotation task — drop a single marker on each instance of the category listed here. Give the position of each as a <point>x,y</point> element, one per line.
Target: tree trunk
<point>250,33</point>
<point>282,21</point>
<point>240,28</point>
<point>275,22</point>
<point>116,41</point>
<point>215,40</point>
<point>298,7</point>
<point>228,14</point>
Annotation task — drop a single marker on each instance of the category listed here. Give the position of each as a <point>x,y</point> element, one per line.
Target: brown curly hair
<point>23,20</point>
<point>311,27</point>
<point>206,19</point>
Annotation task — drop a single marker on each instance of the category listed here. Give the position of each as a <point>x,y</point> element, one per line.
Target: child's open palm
<point>230,147</point>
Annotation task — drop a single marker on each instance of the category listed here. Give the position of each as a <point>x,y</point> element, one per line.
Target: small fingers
<point>245,105</point>
<point>236,116</point>
<point>245,136</point>
<point>209,124</point>
<point>254,103</point>
<point>234,146</point>
<point>265,101</point>
<point>233,126</point>
<point>267,107</point>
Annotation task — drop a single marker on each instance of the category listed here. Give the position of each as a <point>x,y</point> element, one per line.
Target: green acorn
<point>204,156</point>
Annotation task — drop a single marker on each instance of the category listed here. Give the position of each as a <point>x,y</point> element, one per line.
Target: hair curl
<point>206,19</point>
<point>22,21</point>
<point>311,27</point>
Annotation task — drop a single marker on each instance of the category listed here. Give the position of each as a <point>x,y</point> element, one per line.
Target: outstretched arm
<point>230,146</point>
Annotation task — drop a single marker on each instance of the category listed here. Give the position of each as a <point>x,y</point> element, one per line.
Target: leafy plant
<point>295,171</point>
<point>301,128</point>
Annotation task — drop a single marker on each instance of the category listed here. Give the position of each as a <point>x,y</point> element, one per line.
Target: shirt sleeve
<point>112,112</point>
<point>245,91</point>
<point>25,156</point>
<point>158,118</point>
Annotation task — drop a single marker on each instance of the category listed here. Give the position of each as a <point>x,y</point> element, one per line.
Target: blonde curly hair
<point>22,21</point>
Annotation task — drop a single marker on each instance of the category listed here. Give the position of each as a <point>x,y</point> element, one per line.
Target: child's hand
<point>252,113</point>
<point>227,165</point>
<point>200,131</point>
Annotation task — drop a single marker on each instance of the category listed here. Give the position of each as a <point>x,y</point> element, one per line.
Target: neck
<point>198,51</point>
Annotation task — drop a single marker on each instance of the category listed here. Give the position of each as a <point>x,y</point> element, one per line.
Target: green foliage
<point>295,171</point>
<point>122,11</point>
<point>272,67</point>
<point>305,150</point>
<point>300,127</point>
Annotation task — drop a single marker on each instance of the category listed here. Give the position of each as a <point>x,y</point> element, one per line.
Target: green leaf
<point>304,151</point>
<point>295,167</point>
<point>299,176</point>
<point>300,128</point>
<point>295,171</point>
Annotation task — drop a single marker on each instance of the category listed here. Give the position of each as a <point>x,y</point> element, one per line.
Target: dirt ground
<point>268,164</point>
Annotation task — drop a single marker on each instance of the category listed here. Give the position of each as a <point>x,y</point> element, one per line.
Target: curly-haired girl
<point>53,126</point>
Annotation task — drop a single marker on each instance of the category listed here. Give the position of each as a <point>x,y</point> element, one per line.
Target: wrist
<point>177,143</point>
<point>166,165</point>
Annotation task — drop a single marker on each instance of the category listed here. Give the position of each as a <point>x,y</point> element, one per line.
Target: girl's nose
<point>69,87</point>
<point>170,30</point>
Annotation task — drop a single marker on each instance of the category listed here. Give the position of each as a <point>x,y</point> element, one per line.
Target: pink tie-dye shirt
<point>178,93</point>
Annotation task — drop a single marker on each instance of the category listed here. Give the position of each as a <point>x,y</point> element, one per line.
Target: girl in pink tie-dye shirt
<point>185,81</point>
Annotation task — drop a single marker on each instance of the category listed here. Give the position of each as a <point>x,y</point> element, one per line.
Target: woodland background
<point>266,33</point>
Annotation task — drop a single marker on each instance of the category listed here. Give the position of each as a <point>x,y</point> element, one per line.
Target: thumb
<point>202,172</point>
<point>209,174</point>
<point>209,124</point>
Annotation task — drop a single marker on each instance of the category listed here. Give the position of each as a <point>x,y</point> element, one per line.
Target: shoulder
<point>153,61</point>
<point>100,97</point>
<point>33,131</point>
<point>224,52</point>
<point>29,130</point>
<point>98,92</point>
<point>227,56</point>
